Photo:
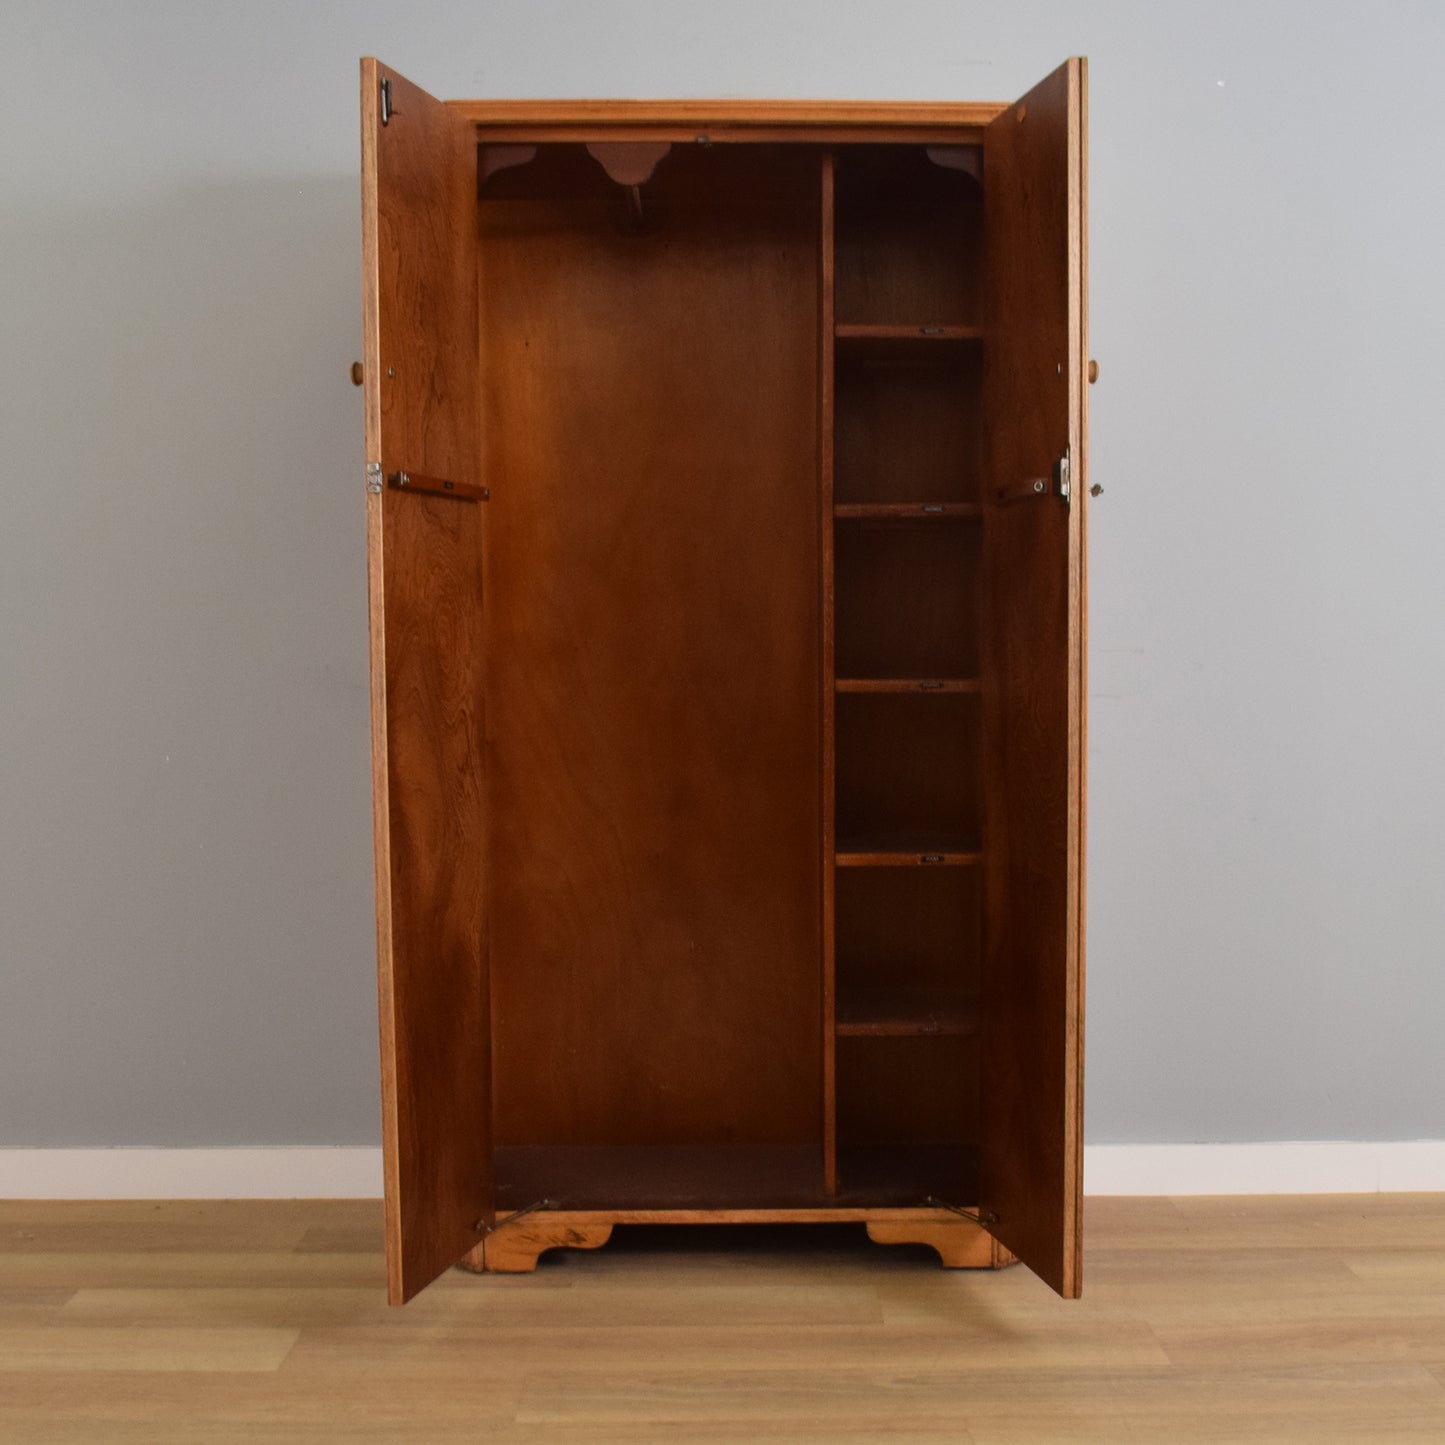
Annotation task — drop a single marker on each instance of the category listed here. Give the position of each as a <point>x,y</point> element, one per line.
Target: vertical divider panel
<point>828,790</point>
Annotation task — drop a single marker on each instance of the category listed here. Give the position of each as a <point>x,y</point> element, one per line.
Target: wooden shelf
<point>908,512</point>
<point>925,332</point>
<point>923,342</point>
<point>903,1013</point>
<point>909,684</point>
<point>905,852</point>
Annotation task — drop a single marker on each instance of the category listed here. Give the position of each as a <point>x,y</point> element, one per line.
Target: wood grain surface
<point>606,831</point>
<point>1032,1144</point>
<point>517,1244</point>
<point>751,122</point>
<point>1267,1321</point>
<point>827,680</point>
<point>766,114</point>
<point>908,768</point>
<point>909,428</point>
<point>650,419</point>
<point>907,599</point>
<point>915,929</point>
<point>910,241</point>
<point>425,584</point>
<point>958,1245</point>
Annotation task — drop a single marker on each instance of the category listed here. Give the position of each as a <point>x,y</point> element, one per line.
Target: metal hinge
<point>386,110</point>
<point>373,478</point>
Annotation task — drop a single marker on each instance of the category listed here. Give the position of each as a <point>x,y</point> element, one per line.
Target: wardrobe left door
<point>425,551</point>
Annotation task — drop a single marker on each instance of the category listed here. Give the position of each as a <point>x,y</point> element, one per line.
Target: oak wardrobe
<point>726,489</point>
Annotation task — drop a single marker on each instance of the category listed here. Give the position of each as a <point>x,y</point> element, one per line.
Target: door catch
<point>437,486</point>
<point>1063,476</point>
<point>1061,486</point>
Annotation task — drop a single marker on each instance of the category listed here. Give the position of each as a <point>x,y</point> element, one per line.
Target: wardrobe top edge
<point>809,120</point>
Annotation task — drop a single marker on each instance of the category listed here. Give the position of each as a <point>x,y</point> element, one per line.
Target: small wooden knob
<point>357,377</point>
<point>1093,371</point>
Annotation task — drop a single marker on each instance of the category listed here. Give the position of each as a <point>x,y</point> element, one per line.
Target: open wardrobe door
<point>424,539</point>
<point>1031,1151</point>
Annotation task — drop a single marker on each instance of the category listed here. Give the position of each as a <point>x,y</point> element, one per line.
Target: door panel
<point>425,574</point>
<point>1031,1170</point>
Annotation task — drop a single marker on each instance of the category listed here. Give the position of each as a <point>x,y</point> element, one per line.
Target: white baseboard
<point>243,1173</point>
<point>355,1173</point>
<point>1329,1167</point>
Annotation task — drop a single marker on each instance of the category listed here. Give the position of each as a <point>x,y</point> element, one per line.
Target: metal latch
<point>377,480</point>
<point>1063,484</point>
<point>386,110</point>
<point>438,486</point>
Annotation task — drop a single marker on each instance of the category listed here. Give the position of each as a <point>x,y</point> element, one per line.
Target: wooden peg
<point>1093,371</point>
<point>356,373</point>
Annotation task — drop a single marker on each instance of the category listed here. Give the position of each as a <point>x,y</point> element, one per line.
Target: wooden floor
<point>1314,1319</point>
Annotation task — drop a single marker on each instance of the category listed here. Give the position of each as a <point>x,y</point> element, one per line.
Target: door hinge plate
<point>386,110</point>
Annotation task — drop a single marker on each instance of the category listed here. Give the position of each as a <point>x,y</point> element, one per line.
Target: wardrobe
<point>726,483</point>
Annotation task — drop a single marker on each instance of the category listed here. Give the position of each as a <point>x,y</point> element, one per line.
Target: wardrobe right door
<point>1031,1160</point>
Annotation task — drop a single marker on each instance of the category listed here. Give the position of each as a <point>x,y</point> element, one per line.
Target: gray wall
<point>185,877</point>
